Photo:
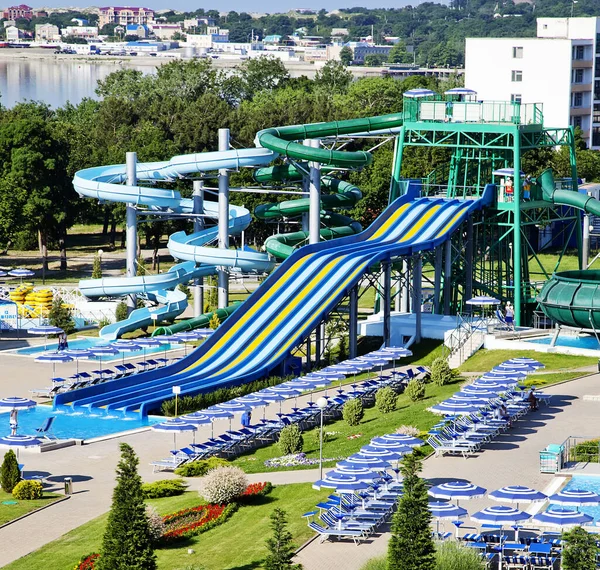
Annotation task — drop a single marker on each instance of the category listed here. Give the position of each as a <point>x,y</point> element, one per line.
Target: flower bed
<point>87,562</point>
<point>254,491</point>
<point>296,459</point>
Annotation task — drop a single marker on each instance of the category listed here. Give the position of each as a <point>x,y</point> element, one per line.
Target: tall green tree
<point>411,545</point>
<point>334,77</point>
<point>281,548</point>
<point>127,542</point>
<point>579,550</point>
<point>10,473</point>
<point>346,55</point>
<point>399,54</point>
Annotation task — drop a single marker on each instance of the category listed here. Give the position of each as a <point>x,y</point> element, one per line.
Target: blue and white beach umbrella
<point>517,494</point>
<point>359,473</point>
<point>16,403</point>
<point>148,342</point>
<point>104,350</point>
<point>561,518</point>
<point>78,354</point>
<point>45,331</point>
<point>394,447</point>
<point>455,408</point>
<point>359,460</point>
<point>53,357</point>
<point>385,454</point>
<point>20,272</point>
<point>457,490</point>
<point>460,91</point>
<point>341,483</point>
<point>175,426</point>
<point>527,361</point>
<point>196,419</point>
<point>575,498</point>
<point>511,368</point>
<point>397,438</point>
<point>500,515</point>
<point>231,406</point>
<point>251,401</point>
<point>417,93</point>
<point>20,441</point>
<point>440,510</point>
<point>125,346</point>
<point>483,301</point>
<point>508,375</point>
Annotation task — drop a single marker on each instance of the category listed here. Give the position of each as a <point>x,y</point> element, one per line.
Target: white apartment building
<point>47,33</point>
<point>559,68</point>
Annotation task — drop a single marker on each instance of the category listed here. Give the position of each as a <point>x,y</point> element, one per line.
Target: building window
<point>596,115</point>
<point>596,136</point>
<point>578,52</point>
<point>577,121</point>
<point>515,98</point>
<point>517,53</point>
<point>578,76</point>
<point>516,75</point>
<point>577,99</point>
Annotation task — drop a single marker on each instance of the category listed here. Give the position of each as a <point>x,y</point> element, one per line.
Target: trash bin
<point>68,486</point>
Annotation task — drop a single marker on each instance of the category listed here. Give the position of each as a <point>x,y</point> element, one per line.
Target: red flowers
<point>254,489</point>
<point>188,522</point>
<point>87,562</point>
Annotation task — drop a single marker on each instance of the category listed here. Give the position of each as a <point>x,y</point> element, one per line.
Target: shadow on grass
<point>250,566</point>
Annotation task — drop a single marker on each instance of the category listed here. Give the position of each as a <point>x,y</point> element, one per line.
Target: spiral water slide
<point>571,298</point>
<point>106,184</point>
<point>284,310</point>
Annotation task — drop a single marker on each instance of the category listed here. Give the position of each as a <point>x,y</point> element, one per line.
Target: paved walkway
<point>513,459</point>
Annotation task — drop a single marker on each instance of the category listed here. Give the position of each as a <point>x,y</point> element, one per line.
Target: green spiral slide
<point>571,298</point>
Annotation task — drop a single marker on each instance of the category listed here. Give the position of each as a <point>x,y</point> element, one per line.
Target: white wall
<point>571,28</point>
<point>489,63</point>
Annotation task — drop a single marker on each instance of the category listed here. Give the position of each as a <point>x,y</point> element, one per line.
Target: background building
<point>556,68</point>
<point>124,15</point>
<point>16,12</point>
<point>47,33</point>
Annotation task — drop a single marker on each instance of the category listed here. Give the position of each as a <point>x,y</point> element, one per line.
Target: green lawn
<point>237,544</point>
<point>373,424</point>
<point>484,360</point>
<point>11,512</point>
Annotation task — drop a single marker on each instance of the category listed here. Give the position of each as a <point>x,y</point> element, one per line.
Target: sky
<point>270,6</point>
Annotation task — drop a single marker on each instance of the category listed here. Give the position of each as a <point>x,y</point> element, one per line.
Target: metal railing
<point>580,449</point>
<point>466,327</point>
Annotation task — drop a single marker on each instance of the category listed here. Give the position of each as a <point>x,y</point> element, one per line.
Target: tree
<point>10,474</point>
<point>74,40</point>
<point>214,322</point>
<point>411,545</point>
<point>346,55</point>
<point>60,316</point>
<point>579,551</point>
<point>97,268</point>
<point>281,549</point>
<point>334,77</point>
<point>441,373</point>
<point>127,541</point>
<point>399,54</point>
<point>374,60</point>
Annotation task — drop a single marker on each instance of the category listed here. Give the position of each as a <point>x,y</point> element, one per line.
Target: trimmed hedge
<point>164,488</point>
<point>28,490</point>
<point>200,467</point>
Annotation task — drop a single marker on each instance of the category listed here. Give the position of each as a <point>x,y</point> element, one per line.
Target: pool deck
<point>511,459</point>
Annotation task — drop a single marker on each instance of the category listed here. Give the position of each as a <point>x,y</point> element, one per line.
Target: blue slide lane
<point>281,313</point>
<point>106,184</point>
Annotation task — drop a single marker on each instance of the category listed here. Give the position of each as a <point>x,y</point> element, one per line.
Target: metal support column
<point>417,297</point>
<point>318,343</point>
<point>306,194</point>
<point>469,260</point>
<point>517,251</point>
<point>131,232</point>
<point>198,196</point>
<point>223,275</point>
<point>405,294</point>
<point>437,279</point>
<point>585,250</point>
<point>447,276</point>
<point>387,302</point>
<point>353,322</point>
<point>315,197</point>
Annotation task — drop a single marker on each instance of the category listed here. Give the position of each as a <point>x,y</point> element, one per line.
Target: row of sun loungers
<point>234,443</point>
<point>85,379</point>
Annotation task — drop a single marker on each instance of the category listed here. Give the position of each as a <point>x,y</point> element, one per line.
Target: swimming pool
<point>90,343</point>
<point>77,425</point>
<point>583,341</point>
<point>588,484</point>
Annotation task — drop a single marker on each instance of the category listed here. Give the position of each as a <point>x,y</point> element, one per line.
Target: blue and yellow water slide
<point>105,184</point>
<point>281,313</point>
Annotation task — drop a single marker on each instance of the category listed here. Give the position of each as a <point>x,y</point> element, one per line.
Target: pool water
<point>588,484</point>
<point>583,341</point>
<point>90,343</point>
<point>77,425</point>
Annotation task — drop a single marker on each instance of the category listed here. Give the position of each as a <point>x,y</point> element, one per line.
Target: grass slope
<point>230,546</point>
<point>11,512</point>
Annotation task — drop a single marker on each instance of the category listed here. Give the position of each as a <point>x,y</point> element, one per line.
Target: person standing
<point>14,421</point>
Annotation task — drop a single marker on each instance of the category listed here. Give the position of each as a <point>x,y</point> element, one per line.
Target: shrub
<point>587,451</point>
<point>415,390</point>
<point>87,562</point>
<point>97,268</point>
<point>254,491</point>
<point>200,467</point>
<point>121,311</point>
<point>452,555</point>
<point>290,440</point>
<point>28,490</point>
<point>353,412</point>
<point>379,563</point>
<point>9,472</point>
<point>214,322</point>
<point>408,430</point>
<point>579,550</point>
<point>224,484</point>
<point>163,488</point>
<point>60,316</point>
<point>155,524</point>
<point>386,400</point>
<point>441,373</point>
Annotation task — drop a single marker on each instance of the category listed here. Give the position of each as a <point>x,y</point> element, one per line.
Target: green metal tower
<point>496,254</point>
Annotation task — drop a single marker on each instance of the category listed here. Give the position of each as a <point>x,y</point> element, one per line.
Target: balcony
<point>580,87</point>
<point>582,64</point>
<point>580,111</point>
